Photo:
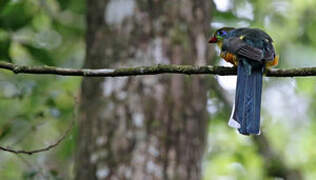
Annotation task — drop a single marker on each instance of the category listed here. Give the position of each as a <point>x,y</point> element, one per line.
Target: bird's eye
<point>221,33</point>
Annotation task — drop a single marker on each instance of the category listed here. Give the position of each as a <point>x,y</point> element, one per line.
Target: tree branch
<point>41,149</point>
<point>150,70</point>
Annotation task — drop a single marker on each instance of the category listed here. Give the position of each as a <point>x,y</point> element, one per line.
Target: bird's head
<point>220,34</point>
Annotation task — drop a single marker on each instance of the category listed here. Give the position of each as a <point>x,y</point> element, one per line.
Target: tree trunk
<point>151,127</point>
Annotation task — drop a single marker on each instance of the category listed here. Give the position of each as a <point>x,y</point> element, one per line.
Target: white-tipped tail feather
<point>232,122</point>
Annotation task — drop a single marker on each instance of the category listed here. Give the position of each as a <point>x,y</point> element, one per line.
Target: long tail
<point>246,111</point>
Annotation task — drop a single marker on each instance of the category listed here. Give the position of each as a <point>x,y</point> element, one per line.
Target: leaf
<point>4,50</point>
<point>69,31</point>
<point>41,55</point>
<point>63,4</point>
<point>3,3</point>
<point>16,15</point>
<point>77,6</point>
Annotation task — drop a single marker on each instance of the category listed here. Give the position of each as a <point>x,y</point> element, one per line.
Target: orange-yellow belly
<point>274,62</point>
<point>231,58</point>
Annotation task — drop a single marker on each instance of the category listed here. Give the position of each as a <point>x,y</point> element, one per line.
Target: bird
<point>251,50</point>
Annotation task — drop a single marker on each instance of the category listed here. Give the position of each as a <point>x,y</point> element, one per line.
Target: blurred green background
<point>36,110</point>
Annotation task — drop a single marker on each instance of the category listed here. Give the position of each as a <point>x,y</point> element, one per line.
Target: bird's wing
<point>238,46</point>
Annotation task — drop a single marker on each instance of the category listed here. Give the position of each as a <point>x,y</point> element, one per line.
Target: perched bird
<point>251,50</point>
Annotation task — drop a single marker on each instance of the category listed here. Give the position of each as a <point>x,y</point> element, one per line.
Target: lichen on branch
<point>150,70</point>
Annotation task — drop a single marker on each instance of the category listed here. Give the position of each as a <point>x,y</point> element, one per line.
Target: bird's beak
<point>212,40</point>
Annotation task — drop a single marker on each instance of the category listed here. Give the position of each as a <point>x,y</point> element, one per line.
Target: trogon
<point>252,51</point>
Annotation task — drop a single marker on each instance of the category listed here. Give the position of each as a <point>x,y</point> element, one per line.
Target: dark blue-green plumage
<point>253,48</point>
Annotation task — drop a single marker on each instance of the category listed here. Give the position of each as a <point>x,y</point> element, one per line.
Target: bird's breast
<point>229,57</point>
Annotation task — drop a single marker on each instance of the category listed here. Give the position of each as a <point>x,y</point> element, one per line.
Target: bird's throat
<point>219,44</point>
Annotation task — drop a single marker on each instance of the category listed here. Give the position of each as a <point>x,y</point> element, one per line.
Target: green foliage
<point>40,54</point>
<point>36,110</point>
<point>16,15</point>
<point>4,48</point>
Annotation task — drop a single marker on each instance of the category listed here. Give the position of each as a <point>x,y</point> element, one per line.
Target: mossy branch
<point>150,70</point>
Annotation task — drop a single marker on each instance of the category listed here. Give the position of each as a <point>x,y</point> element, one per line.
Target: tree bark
<point>151,127</point>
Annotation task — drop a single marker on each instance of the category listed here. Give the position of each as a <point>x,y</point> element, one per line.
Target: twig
<point>41,149</point>
<point>150,70</point>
